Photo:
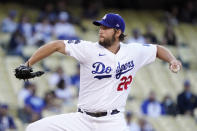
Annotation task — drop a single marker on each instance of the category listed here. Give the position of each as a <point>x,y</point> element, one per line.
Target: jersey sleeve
<point>77,49</point>
<point>147,54</point>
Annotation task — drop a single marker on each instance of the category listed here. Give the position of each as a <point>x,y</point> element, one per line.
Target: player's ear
<point>118,33</point>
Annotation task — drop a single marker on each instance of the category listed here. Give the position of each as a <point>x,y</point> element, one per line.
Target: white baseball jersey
<point>105,77</point>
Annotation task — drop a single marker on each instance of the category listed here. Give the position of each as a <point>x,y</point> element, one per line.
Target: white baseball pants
<point>80,122</point>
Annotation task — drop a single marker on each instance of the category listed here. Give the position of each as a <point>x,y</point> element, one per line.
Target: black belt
<point>99,114</point>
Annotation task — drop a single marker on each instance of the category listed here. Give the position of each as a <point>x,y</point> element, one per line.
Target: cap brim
<point>101,22</point>
<point>97,23</point>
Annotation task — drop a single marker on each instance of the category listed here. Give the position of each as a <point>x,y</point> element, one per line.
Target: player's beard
<point>107,42</point>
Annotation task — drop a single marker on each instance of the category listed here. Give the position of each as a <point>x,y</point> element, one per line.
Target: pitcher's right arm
<point>47,50</point>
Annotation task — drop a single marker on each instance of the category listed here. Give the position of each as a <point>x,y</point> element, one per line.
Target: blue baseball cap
<point>112,21</point>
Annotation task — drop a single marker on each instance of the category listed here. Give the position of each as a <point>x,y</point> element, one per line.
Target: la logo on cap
<point>104,17</point>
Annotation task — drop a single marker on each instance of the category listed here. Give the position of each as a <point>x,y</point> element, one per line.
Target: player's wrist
<point>172,61</point>
<point>28,64</point>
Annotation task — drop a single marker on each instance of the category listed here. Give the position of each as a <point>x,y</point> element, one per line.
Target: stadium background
<point>137,14</point>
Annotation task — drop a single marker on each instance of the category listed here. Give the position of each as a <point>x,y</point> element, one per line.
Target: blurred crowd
<point>56,22</point>
<point>186,12</point>
<point>149,37</point>
<point>52,22</point>
<point>6,121</point>
<point>185,104</point>
<point>31,106</point>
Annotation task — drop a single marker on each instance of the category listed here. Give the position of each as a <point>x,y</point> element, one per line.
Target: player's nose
<point>101,31</point>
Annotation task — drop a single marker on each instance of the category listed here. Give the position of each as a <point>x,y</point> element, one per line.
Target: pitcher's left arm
<point>165,55</point>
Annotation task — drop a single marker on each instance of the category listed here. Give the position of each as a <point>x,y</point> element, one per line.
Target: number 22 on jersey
<point>125,81</point>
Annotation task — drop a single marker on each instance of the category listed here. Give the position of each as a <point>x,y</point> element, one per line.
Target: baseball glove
<point>25,72</point>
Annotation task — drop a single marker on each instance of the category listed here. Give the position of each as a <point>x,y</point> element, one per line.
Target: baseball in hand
<point>175,69</point>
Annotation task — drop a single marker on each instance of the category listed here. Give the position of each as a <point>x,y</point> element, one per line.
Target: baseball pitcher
<point>107,70</point>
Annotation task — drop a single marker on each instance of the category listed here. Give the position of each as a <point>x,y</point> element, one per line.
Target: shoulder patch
<point>74,41</point>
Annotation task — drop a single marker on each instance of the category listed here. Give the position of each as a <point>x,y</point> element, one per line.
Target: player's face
<point>106,36</point>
